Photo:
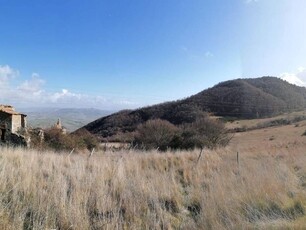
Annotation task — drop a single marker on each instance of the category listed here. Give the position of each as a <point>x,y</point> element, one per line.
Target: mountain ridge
<point>240,98</point>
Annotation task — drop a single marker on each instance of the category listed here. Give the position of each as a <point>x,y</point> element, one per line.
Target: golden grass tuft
<point>136,190</point>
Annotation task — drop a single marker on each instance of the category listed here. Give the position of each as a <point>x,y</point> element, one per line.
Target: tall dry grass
<point>135,190</point>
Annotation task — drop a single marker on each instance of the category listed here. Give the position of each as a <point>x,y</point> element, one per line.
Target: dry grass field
<point>151,190</point>
<point>249,123</point>
<point>272,139</point>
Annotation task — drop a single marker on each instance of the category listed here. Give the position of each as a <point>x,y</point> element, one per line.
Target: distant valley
<point>72,118</point>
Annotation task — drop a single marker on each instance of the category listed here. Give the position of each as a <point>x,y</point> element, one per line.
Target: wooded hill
<point>240,98</point>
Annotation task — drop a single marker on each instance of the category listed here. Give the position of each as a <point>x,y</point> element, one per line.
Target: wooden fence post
<point>238,163</point>
<point>71,152</point>
<point>93,150</point>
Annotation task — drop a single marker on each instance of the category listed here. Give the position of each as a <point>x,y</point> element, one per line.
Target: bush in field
<point>85,139</point>
<point>204,133</point>
<point>161,134</point>
<point>57,140</point>
<point>155,134</point>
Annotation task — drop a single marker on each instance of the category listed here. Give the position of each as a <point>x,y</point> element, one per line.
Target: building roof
<point>9,110</point>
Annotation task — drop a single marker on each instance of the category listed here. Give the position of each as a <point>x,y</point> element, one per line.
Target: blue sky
<point>130,53</point>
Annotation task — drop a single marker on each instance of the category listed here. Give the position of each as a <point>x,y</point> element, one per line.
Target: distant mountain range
<point>240,98</point>
<point>71,118</point>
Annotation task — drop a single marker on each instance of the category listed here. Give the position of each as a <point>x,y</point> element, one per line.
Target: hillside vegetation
<point>241,98</point>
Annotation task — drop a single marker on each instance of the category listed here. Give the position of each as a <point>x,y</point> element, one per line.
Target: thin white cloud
<point>208,54</point>
<point>7,73</point>
<point>297,78</point>
<point>184,48</point>
<point>250,1</point>
<point>31,93</point>
<point>64,95</point>
<point>196,55</point>
<point>67,98</point>
<point>292,78</point>
<point>301,69</point>
<point>33,85</point>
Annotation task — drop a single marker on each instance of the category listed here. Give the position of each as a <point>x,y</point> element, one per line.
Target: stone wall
<point>16,123</point>
<point>23,121</point>
<point>12,139</point>
<point>12,125</point>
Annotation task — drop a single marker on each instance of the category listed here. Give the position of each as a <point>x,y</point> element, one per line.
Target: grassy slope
<point>134,190</point>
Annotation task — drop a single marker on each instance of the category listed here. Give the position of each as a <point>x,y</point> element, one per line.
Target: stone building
<point>11,122</point>
<point>58,126</point>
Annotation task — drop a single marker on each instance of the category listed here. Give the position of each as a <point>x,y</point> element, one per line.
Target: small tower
<point>58,124</point>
